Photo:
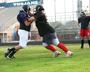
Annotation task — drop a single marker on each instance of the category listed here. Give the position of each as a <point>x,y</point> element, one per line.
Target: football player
<point>48,33</point>
<point>25,21</point>
<point>84,20</point>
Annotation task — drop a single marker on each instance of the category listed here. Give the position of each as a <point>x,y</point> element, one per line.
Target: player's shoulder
<point>22,13</point>
<point>87,16</point>
<point>79,18</point>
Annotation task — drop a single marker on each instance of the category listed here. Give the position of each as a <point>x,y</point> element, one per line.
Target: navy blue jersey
<point>21,17</point>
<point>84,20</point>
<point>42,24</point>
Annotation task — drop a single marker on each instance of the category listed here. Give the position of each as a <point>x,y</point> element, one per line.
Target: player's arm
<point>78,22</point>
<point>29,21</point>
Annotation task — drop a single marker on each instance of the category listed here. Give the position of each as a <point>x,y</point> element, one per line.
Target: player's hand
<point>31,19</point>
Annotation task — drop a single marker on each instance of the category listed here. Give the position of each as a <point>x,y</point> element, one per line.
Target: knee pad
<point>44,44</point>
<point>56,41</point>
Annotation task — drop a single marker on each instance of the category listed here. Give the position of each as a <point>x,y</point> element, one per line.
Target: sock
<point>50,47</point>
<point>12,52</point>
<point>63,47</point>
<point>89,43</point>
<point>82,43</point>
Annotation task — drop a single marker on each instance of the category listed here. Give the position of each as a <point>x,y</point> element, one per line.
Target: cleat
<point>81,47</point>
<point>10,57</point>
<point>56,54</point>
<point>7,52</point>
<point>69,53</point>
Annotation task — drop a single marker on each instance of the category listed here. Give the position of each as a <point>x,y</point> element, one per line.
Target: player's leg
<point>51,48</point>
<point>23,35</point>
<point>47,43</point>
<point>82,42</point>
<point>9,51</point>
<point>89,42</point>
<point>88,36</point>
<point>62,46</point>
<point>82,35</point>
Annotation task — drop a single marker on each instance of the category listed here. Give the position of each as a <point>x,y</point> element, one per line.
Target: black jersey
<point>21,17</point>
<point>42,24</point>
<point>84,20</point>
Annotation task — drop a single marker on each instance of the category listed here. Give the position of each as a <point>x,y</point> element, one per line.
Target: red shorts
<point>85,32</point>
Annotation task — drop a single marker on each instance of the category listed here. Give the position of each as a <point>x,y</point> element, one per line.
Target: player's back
<point>21,17</point>
<point>84,21</point>
<point>42,24</point>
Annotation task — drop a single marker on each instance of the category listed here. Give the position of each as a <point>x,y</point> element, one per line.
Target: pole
<point>55,9</point>
<point>65,10</point>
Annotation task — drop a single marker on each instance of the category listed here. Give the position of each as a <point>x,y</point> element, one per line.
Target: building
<point>63,11</point>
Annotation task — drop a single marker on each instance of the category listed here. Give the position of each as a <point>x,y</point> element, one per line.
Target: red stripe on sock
<point>63,47</point>
<point>50,47</point>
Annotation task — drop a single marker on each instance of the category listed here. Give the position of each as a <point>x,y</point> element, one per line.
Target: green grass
<point>35,58</point>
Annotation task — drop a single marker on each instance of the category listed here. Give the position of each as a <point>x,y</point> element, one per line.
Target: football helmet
<point>26,8</point>
<point>39,8</point>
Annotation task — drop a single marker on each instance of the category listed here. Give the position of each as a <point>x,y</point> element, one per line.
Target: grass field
<point>35,58</point>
